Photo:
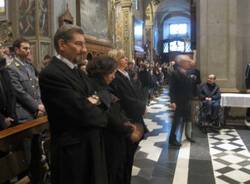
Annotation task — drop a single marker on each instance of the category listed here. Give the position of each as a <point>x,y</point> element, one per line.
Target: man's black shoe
<point>190,140</point>
<point>175,143</point>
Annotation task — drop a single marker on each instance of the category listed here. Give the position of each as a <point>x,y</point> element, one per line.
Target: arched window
<point>178,29</point>
<point>176,34</point>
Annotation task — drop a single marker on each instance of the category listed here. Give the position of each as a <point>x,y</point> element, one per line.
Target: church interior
<point>214,34</point>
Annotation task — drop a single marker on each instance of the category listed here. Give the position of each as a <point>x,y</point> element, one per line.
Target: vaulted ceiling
<point>171,8</point>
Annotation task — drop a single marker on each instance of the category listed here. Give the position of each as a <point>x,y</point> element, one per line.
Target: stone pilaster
<point>149,37</point>
<point>127,40</point>
<point>217,41</point>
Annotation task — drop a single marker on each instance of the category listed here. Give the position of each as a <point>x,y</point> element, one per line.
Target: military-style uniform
<point>25,83</point>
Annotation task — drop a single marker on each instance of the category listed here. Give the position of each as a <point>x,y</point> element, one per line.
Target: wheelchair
<point>205,122</point>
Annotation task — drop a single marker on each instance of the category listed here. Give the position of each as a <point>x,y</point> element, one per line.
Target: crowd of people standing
<point>95,109</point>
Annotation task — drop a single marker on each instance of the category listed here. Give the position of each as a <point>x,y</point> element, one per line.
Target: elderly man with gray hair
<point>180,91</point>
<point>76,121</point>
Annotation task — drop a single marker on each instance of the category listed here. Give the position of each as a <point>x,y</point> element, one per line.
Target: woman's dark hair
<point>100,66</point>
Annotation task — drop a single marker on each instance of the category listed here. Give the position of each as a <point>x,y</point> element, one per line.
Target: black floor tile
<point>200,179</point>
<point>139,180</point>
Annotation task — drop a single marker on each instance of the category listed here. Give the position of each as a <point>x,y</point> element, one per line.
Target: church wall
<point>245,18</point>
<point>217,41</point>
<point>242,45</point>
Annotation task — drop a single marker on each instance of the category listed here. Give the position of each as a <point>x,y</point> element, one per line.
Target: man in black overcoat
<point>7,98</point>
<point>180,91</point>
<point>76,121</point>
<point>247,83</point>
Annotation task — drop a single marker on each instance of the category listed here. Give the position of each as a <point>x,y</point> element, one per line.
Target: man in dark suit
<point>25,83</point>
<point>247,83</point>
<point>210,96</point>
<point>7,98</point>
<point>76,121</point>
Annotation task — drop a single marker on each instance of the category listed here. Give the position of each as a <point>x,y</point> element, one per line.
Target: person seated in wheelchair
<point>210,97</point>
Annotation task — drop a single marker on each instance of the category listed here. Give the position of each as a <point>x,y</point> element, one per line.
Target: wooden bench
<point>13,159</point>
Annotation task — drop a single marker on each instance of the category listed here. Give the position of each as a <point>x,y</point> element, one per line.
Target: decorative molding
<point>66,17</point>
<point>126,3</point>
<point>97,46</point>
<point>6,34</point>
<point>230,90</point>
<point>156,2</point>
<point>94,40</point>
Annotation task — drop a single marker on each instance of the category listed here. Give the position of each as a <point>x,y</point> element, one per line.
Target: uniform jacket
<point>25,83</point>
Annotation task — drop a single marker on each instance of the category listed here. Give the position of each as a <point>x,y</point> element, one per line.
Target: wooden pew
<point>13,159</point>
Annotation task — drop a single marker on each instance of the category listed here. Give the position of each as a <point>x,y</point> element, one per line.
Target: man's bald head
<point>184,61</point>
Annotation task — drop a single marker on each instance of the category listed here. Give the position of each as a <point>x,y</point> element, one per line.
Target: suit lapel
<point>78,82</point>
<point>127,81</point>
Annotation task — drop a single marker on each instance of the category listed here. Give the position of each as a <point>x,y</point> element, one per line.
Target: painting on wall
<point>44,17</point>
<point>27,16</point>
<point>94,18</point>
<point>3,9</point>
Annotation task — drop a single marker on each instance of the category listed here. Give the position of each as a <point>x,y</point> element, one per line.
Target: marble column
<point>149,37</point>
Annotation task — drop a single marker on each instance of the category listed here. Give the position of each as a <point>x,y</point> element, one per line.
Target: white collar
<point>66,61</point>
<point>123,72</point>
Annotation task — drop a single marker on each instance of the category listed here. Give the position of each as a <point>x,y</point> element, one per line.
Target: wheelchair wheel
<point>201,121</point>
<point>219,121</point>
<point>221,117</point>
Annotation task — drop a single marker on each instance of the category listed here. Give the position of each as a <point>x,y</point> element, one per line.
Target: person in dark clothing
<point>210,96</point>
<point>180,91</point>
<point>194,74</point>
<point>247,82</point>
<point>146,81</point>
<point>24,80</point>
<point>7,98</point>
<point>76,120</point>
<point>131,103</point>
<point>101,71</point>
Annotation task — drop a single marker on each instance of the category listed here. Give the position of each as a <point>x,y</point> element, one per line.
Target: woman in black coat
<point>101,72</point>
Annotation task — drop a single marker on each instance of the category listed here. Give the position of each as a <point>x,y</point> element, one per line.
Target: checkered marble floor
<point>230,157</point>
<point>221,158</point>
